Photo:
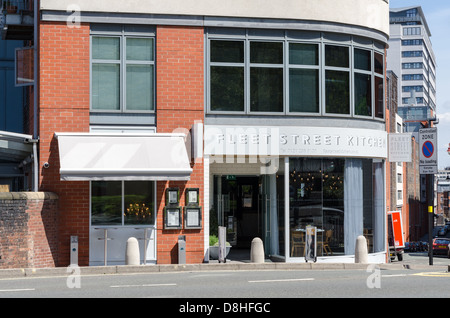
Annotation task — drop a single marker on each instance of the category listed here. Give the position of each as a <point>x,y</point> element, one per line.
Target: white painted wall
<point>373,14</point>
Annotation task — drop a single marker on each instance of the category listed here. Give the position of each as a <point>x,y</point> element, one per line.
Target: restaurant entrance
<point>249,207</point>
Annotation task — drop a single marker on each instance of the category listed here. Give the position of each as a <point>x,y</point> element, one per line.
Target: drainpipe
<point>35,96</point>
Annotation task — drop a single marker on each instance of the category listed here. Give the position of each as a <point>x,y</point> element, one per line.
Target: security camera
<point>46,165</point>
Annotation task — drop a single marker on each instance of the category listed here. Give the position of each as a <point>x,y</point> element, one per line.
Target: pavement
<point>411,261</point>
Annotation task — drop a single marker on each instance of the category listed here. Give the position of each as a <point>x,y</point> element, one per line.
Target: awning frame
<point>180,172</point>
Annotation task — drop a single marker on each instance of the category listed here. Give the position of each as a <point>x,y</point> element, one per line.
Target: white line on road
<point>16,290</point>
<point>279,280</point>
<point>395,275</point>
<point>143,285</point>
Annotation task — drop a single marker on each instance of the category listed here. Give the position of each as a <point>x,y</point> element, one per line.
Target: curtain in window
<point>378,199</point>
<point>353,203</point>
<point>274,246</point>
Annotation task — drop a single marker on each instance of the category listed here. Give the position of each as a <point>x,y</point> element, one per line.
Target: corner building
<point>283,106</point>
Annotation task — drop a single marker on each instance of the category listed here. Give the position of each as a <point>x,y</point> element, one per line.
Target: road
<point>373,282</point>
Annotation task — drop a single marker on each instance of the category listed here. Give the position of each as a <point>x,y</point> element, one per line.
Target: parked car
<point>407,247</point>
<point>442,231</point>
<point>441,246</point>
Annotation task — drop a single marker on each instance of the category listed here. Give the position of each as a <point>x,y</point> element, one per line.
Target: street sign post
<point>428,151</point>
<point>428,166</point>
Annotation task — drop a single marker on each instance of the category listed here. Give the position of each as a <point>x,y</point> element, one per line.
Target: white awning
<point>100,156</point>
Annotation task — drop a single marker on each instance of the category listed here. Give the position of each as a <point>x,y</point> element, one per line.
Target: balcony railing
<point>16,19</point>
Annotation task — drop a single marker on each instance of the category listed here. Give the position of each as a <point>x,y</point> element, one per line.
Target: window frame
<point>291,66</point>
<point>122,32</point>
<point>341,69</point>
<point>122,224</point>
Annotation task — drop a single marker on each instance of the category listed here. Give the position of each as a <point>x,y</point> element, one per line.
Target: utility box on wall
<point>74,250</point>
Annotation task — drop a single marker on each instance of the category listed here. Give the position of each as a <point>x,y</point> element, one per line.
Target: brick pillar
<point>64,107</point>
<point>180,102</point>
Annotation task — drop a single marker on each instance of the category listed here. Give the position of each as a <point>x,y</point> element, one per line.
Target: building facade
<point>411,57</point>
<point>162,120</point>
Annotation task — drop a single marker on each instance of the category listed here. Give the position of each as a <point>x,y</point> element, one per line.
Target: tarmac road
<point>232,282</point>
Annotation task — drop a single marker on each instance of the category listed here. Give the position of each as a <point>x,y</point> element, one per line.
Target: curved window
<point>254,72</point>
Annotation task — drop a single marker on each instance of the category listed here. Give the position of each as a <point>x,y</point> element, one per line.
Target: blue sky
<point>437,14</point>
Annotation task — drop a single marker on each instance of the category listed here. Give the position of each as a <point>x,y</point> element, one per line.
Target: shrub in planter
<point>214,247</point>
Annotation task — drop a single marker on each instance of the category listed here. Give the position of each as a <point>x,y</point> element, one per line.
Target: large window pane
<point>139,206</point>
<point>106,86</point>
<point>227,51</point>
<point>227,88</point>
<point>333,207</point>
<point>363,94</point>
<point>304,90</point>
<point>303,54</point>
<point>139,87</point>
<point>337,92</point>
<point>379,97</point>
<point>105,48</point>
<point>305,207</point>
<point>362,60</point>
<point>379,63</point>
<point>266,52</point>
<point>140,49</point>
<point>106,203</point>
<point>266,89</point>
<point>337,56</point>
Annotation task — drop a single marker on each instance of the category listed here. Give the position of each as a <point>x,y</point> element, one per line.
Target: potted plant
<point>214,247</point>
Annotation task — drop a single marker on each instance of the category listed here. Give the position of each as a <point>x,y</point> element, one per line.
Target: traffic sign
<point>428,151</point>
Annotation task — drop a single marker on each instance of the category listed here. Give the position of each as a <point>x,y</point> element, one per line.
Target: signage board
<point>428,151</point>
<point>400,149</point>
<point>397,228</point>
<point>222,140</point>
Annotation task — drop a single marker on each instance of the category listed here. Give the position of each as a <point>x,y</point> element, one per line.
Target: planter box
<point>214,252</point>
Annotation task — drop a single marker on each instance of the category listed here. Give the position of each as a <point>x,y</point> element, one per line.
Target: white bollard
<point>361,255</point>
<point>132,256</point>
<point>257,251</point>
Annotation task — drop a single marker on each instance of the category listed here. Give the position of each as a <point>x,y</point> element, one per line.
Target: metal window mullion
<point>286,86</point>
<point>323,105</point>
<point>123,87</point>
<point>351,89</point>
<point>123,202</point>
<point>372,55</point>
<point>246,73</point>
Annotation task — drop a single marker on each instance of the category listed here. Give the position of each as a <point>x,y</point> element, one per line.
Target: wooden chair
<point>325,244</point>
<point>297,242</point>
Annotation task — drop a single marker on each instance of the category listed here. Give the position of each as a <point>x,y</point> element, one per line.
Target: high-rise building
<point>410,56</point>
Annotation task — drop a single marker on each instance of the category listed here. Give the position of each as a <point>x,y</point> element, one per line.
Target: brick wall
<point>64,107</point>
<point>28,230</point>
<point>180,102</point>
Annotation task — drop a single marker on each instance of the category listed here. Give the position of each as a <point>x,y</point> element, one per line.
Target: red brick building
<point>126,93</point>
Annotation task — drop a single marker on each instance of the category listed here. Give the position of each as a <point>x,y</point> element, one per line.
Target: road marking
<point>395,275</point>
<point>279,280</point>
<point>433,274</point>
<point>16,290</point>
<point>143,285</point>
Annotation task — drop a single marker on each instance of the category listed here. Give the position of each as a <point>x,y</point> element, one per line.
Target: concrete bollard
<point>257,251</point>
<point>132,256</point>
<point>361,255</point>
